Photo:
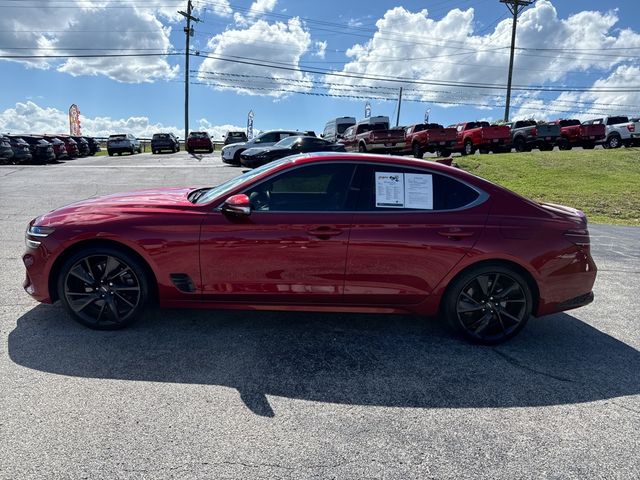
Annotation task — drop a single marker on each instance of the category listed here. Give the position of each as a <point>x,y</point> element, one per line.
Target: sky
<point>299,63</point>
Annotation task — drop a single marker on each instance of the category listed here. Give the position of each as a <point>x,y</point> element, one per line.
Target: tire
<point>614,141</point>
<point>111,302</point>
<point>211,150</point>
<point>362,148</point>
<point>472,307</point>
<point>133,151</point>
<point>416,150</point>
<point>564,144</point>
<point>109,152</point>
<point>468,148</point>
<point>236,158</point>
<point>154,152</point>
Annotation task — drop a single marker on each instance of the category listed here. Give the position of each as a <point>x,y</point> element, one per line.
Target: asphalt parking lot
<point>216,394</point>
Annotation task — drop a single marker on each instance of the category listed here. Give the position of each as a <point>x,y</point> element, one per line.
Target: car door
<point>293,246</point>
<point>412,227</point>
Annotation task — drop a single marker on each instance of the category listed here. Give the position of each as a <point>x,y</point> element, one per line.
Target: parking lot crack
<point>515,362</point>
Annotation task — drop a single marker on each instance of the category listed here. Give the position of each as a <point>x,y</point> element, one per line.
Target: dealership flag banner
<point>367,110</point>
<point>426,115</point>
<point>250,125</point>
<point>74,120</point>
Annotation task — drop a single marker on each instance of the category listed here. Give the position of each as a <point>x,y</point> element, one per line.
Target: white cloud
<point>413,45</point>
<point>74,28</point>
<point>257,9</point>
<point>29,117</point>
<point>279,43</point>
<point>589,104</point>
<point>321,49</point>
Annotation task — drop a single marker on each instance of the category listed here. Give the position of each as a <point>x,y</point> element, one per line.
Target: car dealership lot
<point>220,394</point>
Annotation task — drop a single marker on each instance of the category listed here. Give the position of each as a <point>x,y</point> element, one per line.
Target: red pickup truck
<point>373,135</point>
<point>481,136</point>
<point>429,137</point>
<point>574,134</point>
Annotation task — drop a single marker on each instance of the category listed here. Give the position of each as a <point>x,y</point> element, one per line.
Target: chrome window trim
<point>482,195</point>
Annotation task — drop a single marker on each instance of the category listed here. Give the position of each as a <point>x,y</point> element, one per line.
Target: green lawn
<point>605,184</point>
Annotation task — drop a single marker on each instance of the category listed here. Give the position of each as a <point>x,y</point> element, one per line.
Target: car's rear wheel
<point>489,304</point>
<point>362,148</point>
<point>468,148</point>
<point>564,144</point>
<point>613,142</point>
<point>416,150</point>
<point>103,288</point>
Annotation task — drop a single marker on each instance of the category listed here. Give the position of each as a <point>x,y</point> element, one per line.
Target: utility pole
<point>188,30</point>
<point>515,7</point>
<point>399,105</point>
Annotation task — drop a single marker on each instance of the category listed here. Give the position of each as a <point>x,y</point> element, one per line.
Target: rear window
<point>236,135</point>
<point>160,136</point>
<point>199,135</point>
<point>342,127</point>
<point>569,123</point>
<point>117,137</point>
<point>617,120</point>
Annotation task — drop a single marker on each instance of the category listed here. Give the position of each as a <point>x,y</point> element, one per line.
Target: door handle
<point>456,234</point>
<point>324,233</point>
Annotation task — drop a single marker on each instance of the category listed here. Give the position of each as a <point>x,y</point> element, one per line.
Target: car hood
<point>107,207</point>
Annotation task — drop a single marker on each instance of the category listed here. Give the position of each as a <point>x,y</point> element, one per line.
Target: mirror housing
<point>237,205</point>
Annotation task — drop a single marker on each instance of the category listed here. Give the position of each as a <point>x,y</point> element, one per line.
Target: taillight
<point>579,237</point>
<point>534,132</point>
<point>631,127</point>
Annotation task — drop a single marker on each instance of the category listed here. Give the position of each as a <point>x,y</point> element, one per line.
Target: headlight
<point>37,232</point>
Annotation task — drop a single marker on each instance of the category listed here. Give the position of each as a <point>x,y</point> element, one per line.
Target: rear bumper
<point>386,147</point>
<point>568,287</point>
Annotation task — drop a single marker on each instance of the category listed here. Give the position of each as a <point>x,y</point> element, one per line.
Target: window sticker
<point>418,191</point>
<point>399,190</point>
<point>389,190</point>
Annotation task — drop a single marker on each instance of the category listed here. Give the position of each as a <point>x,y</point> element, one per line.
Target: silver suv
<point>123,142</point>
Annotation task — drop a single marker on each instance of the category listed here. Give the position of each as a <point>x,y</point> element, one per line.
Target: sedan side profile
<point>318,232</point>
<point>257,156</point>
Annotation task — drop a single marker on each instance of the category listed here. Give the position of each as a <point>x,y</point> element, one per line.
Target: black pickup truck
<point>529,134</point>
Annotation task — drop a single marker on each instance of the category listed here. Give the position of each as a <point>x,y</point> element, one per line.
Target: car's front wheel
<point>489,304</point>
<point>103,288</point>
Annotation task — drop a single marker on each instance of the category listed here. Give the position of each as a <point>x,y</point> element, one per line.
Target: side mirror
<point>322,135</point>
<point>257,140</point>
<point>237,205</point>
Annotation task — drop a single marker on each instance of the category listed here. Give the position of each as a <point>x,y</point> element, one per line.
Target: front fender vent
<point>183,282</point>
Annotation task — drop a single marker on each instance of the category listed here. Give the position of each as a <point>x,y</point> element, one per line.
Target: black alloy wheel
<point>489,305</point>
<point>362,148</point>
<point>103,289</point>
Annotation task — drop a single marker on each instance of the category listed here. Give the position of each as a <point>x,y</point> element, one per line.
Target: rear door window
<point>384,188</point>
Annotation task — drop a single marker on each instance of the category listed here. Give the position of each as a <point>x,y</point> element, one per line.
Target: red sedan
<point>321,232</point>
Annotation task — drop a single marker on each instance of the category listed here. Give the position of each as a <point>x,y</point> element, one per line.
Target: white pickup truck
<point>619,131</point>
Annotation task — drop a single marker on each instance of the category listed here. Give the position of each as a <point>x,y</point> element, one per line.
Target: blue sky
<point>161,101</point>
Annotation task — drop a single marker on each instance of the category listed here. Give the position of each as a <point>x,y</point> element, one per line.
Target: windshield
<point>229,185</point>
<point>287,142</point>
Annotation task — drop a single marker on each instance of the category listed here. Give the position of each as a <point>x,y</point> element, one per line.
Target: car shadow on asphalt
<point>383,360</point>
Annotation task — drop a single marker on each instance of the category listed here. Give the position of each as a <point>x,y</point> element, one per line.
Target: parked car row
<point>375,135</point>
<point>45,148</point>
